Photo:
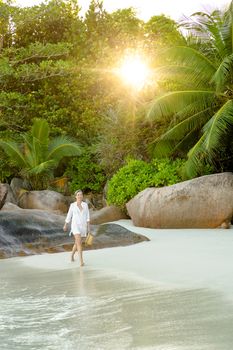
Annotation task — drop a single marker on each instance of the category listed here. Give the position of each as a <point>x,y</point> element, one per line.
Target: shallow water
<point>90,308</point>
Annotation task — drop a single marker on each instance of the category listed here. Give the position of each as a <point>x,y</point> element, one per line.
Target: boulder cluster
<point>18,196</point>
<point>32,221</point>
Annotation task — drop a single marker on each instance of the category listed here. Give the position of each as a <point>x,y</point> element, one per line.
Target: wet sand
<point>180,258</point>
<point>174,292</point>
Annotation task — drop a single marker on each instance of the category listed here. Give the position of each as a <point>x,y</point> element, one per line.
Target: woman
<point>79,216</point>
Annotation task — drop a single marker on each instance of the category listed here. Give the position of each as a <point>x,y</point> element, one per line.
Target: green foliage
<point>23,72</point>
<point>163,31</point>
<point>52,22</point>
<point>138,175</point>
<point>85,173</point>
<point>38,156</point>
<point>167,171</point>
<point>200,115</point>
<point>59,66</point>
<point>5,17</point>
<point>120,137</point>
<point>126,135</point>
<point>7,171</point>
<point>128,181</point>
<point>31,64</point>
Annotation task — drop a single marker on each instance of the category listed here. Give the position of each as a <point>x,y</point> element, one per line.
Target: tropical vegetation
<point>59,66</point>
<point>200,110</point>
<point>38,156</point>
<point>137,175</point>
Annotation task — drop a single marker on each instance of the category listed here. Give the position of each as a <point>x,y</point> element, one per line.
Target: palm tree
<point>201,113</point>
<point>38,157</point>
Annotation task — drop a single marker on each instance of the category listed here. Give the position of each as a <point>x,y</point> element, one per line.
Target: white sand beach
<point>172,292</point>
<point>181,258</point>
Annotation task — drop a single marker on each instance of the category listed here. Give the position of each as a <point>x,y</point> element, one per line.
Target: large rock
<point>27,231</point>
<point>17,185</point>
<point>8,206</point>
<point>10,198</point>
<point>3,194</point>
<point>45,200</point>
<point>113,235</point>
<point>94,200</point>
<point>106,214</point>
<point>204,202</point>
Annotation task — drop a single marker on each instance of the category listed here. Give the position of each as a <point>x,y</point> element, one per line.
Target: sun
<point>134,71</point>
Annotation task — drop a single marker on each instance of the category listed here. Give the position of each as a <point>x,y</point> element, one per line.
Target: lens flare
<point>134,72</point>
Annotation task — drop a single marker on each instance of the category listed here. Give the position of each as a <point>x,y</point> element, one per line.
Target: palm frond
<point>13,151</point>
<point>171,140</point>
<point>188,75</point>
<point>196,158</point>
<point>63,147</point>
<point>173,102</point>
<point>194,108</point>
<point>40,130</point>
<point>218,127</point>
<point>187,56</point>
<point>28,150</point>
<point>187,141</point>
<point>210,63</point>
<point>36,142</point>
<point>224,73</point>
<point>227,28</point>
<point>28,141</point>
<point>41,168</point>
<point>34,150</point>
<point>217,40</point>
<point>162,148</point>
<point>208,28</point>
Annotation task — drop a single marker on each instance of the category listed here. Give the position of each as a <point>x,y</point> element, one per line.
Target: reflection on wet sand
<point>171,293</point>
<point>86,308</point>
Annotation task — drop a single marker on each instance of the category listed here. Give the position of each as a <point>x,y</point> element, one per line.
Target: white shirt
<point>78,218</point>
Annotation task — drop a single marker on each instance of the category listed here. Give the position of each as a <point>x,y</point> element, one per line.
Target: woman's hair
<point>76,192</point>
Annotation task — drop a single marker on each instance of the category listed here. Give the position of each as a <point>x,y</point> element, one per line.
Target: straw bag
<point>89,239</point>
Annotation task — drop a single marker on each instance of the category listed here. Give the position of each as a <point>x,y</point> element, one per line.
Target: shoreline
<point>192,258</point>
<point>176,290</point>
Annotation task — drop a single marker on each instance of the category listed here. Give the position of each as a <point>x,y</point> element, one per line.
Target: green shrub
<point>7,168</point>
<point>85,173</point>
<point>138,175</point>
<point>7,172</point>
<point>167,172</point>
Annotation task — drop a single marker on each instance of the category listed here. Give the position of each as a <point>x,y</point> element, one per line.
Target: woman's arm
<point>68,218</point>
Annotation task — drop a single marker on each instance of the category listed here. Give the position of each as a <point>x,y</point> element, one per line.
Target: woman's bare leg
<point>74,249</point>
<point>78,242</point>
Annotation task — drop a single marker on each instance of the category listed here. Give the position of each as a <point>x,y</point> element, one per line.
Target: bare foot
<point>72,258</point>
<point>82,264</point>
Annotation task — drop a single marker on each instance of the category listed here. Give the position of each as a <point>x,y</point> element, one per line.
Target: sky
<point>176,9</point>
